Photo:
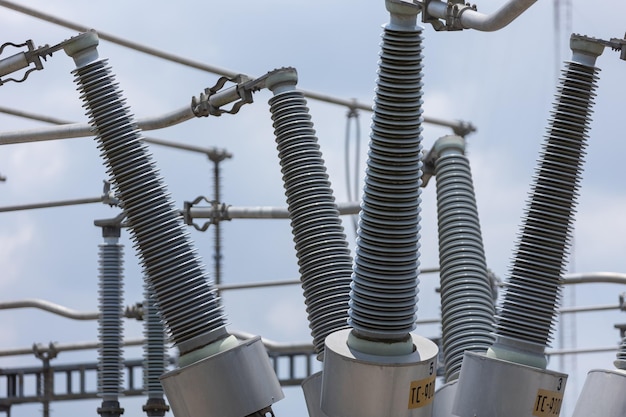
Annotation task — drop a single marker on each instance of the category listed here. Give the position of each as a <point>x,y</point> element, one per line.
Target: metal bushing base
<point>490,387</point>
<point>602,395</point>
<point>356,384</point>
<point>234,383</point>
<point>444,399</point>
<point>312,388</point>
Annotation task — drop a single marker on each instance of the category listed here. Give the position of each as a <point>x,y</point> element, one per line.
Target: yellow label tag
<point>547,403</point>
<point>422,392</point>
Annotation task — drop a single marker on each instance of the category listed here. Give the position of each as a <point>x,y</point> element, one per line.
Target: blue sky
<point>501,82</point>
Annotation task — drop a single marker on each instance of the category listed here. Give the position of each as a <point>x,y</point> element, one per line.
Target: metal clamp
<point>22,60</point>
<point>43,353</point>
<point>108,196</point>
<point>614,43</point>
<point>210,102</point>
<point>218,213</point>
<point>454,10</point>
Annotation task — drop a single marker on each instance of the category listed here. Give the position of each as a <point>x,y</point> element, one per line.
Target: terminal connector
<point>23,60</point>
<point>211,101</point>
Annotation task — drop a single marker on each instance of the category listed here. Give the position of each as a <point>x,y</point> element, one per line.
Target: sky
<point>501,82</point>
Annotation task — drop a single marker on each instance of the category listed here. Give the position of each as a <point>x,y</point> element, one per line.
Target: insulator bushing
<point>155,357</point>
<point>467,306</point>
<point>321,246</point>
<point>110,362</point>
<point>620,361</point>
<point>526,318</point>
<point>188,302</point>
<point>384,289</point>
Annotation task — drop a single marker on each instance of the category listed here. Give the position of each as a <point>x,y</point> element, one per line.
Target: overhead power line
<point>459,127</point>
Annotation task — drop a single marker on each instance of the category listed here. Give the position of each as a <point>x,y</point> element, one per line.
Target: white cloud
<point>14,243</point>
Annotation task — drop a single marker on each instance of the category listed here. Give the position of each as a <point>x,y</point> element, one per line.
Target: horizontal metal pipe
<point>558,352</point>
<point>594,278</point>
<point>459,127</point>
<point>77,130</point>
<point>275,347</point>
<point>261,212</point>
<point>471,19</point>
<point>33,116</point>
<point>50,307</point>
<point>50,204</point>
<point>210,152</point>
<point>129,312</point>
<point>588,309</point>
<point>63,347</point>
<point>267,284</point>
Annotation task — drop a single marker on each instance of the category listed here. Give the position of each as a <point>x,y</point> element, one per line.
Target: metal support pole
<point>216,158</point>
<point>45,387</point>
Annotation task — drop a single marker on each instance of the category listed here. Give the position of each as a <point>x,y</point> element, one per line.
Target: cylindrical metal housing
<point>233,383</point>
<point>13,63</point>
<point>602,395</point>
<point>312,387</point>
<point>491,387</point>
<point>356,384</point>
<point>444,399</point>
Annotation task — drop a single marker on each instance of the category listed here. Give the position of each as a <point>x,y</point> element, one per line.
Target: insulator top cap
<point>282,79</point>
<point>585,50</point>
<point>403,14</point>
<point>446,143</point>
<point>82,48</point>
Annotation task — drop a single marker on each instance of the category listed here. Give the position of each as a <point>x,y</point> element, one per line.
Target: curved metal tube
<point>594,278</point>
<point>471,19</point>
<point>50,307</point>
<point>77,130</point>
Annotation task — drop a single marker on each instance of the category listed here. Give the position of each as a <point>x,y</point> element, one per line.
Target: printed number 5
<point>432,368</point>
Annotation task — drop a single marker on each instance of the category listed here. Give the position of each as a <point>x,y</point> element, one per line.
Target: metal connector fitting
<point>403,13</point>
<point>212,100</point>
<point>585,50</point>
<point>82,48</point>
<point>312,388</point>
